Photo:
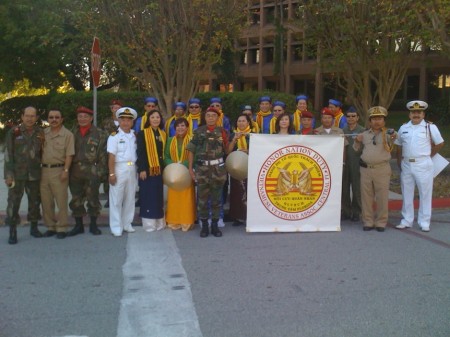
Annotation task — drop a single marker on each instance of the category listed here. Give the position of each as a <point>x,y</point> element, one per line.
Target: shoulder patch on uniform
<point>113,133</point>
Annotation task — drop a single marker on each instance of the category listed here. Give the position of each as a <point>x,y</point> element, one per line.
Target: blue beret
<point>335,102</point>
<point>265,99</point>
<point>194,101</point>
<point>279,103</point>
<point>299,97</point>
<point>181,105</point>
<point>215,100</point>
<point>151,100</point>
<point>352,109</point>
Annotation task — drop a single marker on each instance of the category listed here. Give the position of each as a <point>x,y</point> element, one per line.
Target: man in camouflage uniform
<point>207,147</point>
<point>22,171</point>
<point>87,171</point>
<point>110,125</point>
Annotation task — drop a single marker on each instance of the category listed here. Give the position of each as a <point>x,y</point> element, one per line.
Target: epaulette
<point>113,133</point>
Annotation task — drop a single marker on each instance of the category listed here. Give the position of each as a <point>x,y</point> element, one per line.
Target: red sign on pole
<point>95,62</point>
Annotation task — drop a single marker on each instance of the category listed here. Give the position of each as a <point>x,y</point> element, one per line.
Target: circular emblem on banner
<point>294,182</point>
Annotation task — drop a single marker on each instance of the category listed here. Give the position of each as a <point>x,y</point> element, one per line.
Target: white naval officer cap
<point>126,112</point>
<point>417,105</point>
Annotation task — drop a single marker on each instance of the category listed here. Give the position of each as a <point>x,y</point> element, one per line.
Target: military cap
<point>181,105</point>
<point>246,107</point>
<point>212,109</point>
<point>417,105</point>
<point>215,100</point>
<point>300,97</point>
<point>151,100</point>
<point>265,99</point>
<point>83,109</point>
<point>326,111</point>
<point>307,114</point>
<point>334,102</point>
<point>126,112</point>
<point>117,102</point>
<point>194,100</point>
<point>279,103</point>
<point>377,111</point>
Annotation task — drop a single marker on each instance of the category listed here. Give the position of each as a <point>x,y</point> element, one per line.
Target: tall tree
<point>41,42</point>
<point>367,44</point>
<point>168,46</point>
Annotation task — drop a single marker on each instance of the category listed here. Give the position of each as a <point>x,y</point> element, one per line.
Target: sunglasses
<point>215,105</point>
<point>373,140</point>
<point>194,107</point>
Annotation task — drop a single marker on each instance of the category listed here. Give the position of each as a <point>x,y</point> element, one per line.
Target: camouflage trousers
<point>84,190</point>
<point>15,194</point>
<point>210,180</point>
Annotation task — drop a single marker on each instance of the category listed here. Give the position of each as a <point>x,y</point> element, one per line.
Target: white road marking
<point>157,299</point>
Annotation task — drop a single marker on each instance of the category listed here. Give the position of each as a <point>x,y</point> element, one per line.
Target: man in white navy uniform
<point>418,141</point>
<point>122,173</point>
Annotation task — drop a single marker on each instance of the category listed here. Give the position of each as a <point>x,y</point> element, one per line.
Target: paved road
<point>349,283</point>
<point>164,284</point>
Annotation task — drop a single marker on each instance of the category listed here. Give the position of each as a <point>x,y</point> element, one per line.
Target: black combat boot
<point>78,229</point>
<point>93,226</point>
<point>205,228</point>
<point>12,235</point>
<point>215,228</point>
<point>34,231</point>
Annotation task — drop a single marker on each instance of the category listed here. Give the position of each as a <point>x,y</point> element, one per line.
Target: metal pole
<point>95,105</point>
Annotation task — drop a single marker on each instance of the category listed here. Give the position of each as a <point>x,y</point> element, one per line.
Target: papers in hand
<point>439,163</point>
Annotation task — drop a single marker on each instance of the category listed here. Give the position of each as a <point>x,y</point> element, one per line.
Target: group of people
<point>131,152</point>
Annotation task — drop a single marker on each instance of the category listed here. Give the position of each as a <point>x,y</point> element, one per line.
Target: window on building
<point>254,56</point>
<point>244,56</point>
<point>255,17</point>
<point>271,85</point>
<point>268,54</point>
<point>270,15</point>
<point>297,52</point>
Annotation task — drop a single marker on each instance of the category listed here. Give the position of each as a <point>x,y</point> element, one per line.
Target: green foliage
<point>10,110</point>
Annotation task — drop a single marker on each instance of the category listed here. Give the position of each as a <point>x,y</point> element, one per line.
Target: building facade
<point>295,69</point>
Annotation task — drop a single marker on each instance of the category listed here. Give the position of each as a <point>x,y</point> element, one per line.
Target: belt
<point>85,163</point>
<point>52,165</point>
<point>413,160</point>
<point>129,163</point>
<point>371,166</point>
<point>211,162</point>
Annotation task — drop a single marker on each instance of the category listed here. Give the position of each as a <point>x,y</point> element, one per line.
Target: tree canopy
<point>167,46</point>
<point>366,44</point>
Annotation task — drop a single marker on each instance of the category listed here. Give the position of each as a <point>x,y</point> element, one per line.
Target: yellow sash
<point>272,125</point>
<point>337,118</point>
<point>296,121</point>
<point>143,120</point>
<point>260,118</point>
<point>152,152</point>
<point>176,155</point>
<point>191,120</point>
<point>242,141</point>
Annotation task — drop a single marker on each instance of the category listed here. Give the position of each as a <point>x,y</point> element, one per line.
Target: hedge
<point>10,110</point>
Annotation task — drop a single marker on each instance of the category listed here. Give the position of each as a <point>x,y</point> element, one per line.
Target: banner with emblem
<point>294,183</point>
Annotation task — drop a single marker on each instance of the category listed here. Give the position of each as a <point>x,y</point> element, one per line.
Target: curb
<point>437,203</point>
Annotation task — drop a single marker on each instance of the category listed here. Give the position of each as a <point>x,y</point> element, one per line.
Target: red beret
<point>213,110</point>
<point>116,102</point>
<point>83,109</point>
<point>307,114</point>
<point>327,111</point>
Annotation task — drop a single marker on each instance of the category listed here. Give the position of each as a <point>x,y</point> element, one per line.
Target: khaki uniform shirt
<point>373,148</point>
<point>57,146</point>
